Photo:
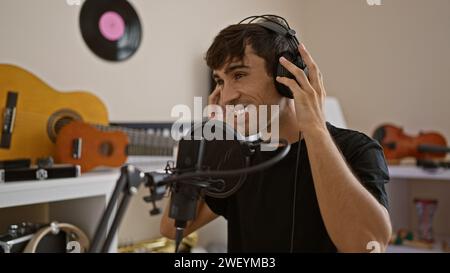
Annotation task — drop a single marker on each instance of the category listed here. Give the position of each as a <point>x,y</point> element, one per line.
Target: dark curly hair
<point>231,42</point>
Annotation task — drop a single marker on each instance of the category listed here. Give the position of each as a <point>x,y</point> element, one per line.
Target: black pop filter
<point>223,152</point>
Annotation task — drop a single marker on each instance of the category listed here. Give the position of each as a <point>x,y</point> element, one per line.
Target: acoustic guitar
<point>91,146</point>
<point>33,113</point>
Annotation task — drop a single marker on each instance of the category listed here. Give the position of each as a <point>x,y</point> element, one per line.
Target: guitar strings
<point>142,141</point>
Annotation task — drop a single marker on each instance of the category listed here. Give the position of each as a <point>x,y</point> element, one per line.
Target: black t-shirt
<point>259,214</point>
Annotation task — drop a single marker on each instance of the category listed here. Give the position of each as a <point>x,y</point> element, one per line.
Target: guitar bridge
<point>77,146</point>
<point>9,117</point>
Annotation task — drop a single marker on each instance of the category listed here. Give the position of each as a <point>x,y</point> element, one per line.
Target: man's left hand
<point>309,94</point>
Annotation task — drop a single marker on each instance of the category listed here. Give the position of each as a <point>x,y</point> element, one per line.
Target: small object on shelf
<point>161,245</point>
<point>397,241</point>
<point>425,212</point>
<point>398,145</point>
<point>401,236</point>
<point>17,237</point>
<point>38,173</point>
<point>432,164</point>
<point>445,246</point>
<point>45,162</point>
<point>409,236</point>
<point>15,163</point>
<point>418,244</point>
<point>406,237</point>
<point>58,238</point>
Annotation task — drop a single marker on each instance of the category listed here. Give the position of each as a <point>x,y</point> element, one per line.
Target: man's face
<point>245,82</point>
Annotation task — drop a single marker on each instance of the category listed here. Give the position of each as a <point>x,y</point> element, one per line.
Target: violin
<point>398,145</point>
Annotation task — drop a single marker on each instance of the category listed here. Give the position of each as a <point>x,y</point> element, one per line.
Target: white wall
<point>387,63</point>
<point>43,36</point>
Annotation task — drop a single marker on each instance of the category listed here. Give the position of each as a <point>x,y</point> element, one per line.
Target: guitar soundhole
<point>58,120</point>
<point>106,149</point>
<point>62,122</point>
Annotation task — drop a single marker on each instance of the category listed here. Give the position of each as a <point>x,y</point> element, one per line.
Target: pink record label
<point>112,26</point>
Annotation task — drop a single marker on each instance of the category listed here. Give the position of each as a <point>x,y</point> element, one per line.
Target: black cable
<point>300,136</point>
<point>236,172</point>
<point>294,43</point>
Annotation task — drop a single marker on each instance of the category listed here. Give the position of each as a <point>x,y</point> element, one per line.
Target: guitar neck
<point>142,142</point>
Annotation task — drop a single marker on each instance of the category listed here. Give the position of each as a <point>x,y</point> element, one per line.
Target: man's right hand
<point>214,99</point>
<point>204,216</point>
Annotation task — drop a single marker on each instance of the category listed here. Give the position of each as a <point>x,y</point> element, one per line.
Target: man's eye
<point>219,82</point>
<point>237,76</point>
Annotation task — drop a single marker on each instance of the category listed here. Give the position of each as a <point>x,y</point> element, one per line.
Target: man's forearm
<point>352,216</point>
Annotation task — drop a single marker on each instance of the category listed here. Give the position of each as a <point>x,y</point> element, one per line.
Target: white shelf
<point>95,183</point>
<point>34,192</point>
<point>413,172</point>
<point>80,201</point>
<point>402,193</point>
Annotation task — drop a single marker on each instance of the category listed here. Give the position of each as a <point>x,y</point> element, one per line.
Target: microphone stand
<point>127,185</point>
<point>184,199</point>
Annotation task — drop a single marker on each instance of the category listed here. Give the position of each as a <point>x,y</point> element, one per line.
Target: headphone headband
<point>267,17</point>
<point>274,25</point>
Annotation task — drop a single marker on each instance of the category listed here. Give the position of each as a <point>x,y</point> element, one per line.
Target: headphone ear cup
<point>281,71</point>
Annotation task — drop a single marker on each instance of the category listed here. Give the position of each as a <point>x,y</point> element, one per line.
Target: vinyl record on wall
<point>110,28</point>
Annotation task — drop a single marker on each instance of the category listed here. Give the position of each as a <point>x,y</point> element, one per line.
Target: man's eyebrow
<point>230,68</point>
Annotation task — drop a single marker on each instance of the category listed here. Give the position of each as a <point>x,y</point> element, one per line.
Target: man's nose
<point>229,94</point>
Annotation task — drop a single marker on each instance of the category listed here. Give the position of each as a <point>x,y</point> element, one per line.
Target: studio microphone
<point>196,154</point>
<point>215,167</point>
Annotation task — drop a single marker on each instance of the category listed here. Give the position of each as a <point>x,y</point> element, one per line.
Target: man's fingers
<point>214,98</point>
<point>298,74</point>
<point>313,70</point>
<point>292,84</point>
<point>214,104</point>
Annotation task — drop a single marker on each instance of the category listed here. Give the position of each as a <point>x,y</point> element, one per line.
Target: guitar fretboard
<point>143,142</point>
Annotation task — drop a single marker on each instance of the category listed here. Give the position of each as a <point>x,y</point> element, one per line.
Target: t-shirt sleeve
<point>369,165</point>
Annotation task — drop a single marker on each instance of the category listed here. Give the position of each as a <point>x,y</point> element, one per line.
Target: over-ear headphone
<point>271,23</point>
